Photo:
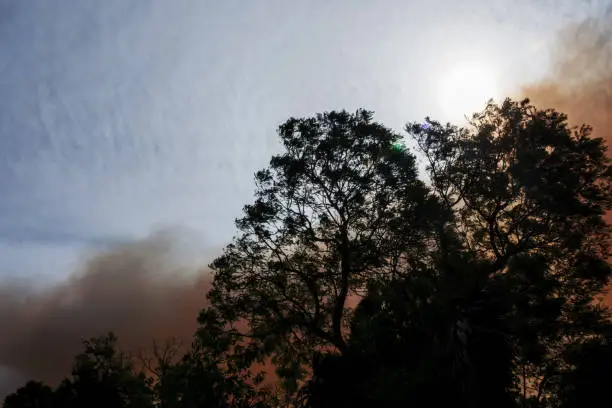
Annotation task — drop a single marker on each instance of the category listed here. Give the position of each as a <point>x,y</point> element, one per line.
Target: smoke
<point>139,290</point>
<point>580,83</point>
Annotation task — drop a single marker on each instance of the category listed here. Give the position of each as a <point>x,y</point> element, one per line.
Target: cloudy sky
<point>120,117</point>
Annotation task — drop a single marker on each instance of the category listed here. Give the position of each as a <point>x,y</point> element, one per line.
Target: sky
<point>122,118</point>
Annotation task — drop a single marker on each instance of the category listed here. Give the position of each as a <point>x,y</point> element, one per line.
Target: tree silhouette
<point>207,375</point>
<point>583,380</point>
<point>588,381</point>
<point>104,376</point>
<point>443,329</point>
<point>197,381</point>
<point>529,194</point>
<point>340,208</point>
<point>33,394</point>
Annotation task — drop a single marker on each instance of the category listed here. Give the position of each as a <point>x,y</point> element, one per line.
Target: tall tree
<point>529,193</point>
<point>103,376</point>
<point>343,206</point>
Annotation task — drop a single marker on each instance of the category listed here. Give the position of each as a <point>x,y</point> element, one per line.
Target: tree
<point>343,206</point>
<point>206,376</point>
<point>103,376</point>
<point>477,291</point>
<point>529,193</point>
<point>33,394</point>
<point>495,318</point>
<point>587,380</point>
<point>434,338</point>
<point>191,384</point>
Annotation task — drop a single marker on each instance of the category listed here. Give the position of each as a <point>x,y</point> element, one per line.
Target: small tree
<point>32,395</point>
<point>207,375</point>
<point>586,381</point>
<point>103,376</point>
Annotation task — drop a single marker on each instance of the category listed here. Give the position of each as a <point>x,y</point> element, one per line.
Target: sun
<point>466,88</point>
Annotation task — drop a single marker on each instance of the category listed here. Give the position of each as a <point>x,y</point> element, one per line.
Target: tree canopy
<point>341,207</point>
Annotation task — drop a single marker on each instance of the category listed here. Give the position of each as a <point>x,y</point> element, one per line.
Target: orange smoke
<point>580,84</point>
<point>136,291</point>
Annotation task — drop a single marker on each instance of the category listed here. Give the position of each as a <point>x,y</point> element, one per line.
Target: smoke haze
<point>137,290</point>
<point>580,83</point>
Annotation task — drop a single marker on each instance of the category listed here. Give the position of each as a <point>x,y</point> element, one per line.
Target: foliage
<point>428,332</point>
<point>491,326</point>
<point>588,382</point>
<point>208,376</point>
<point>340,208</point>
<point>33,394</point>
<point>104,376</point>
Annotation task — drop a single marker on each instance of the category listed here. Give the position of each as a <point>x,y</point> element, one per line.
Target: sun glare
<point>465,89</point>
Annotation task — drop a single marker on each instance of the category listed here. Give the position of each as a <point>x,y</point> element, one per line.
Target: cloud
<point>140,290</point>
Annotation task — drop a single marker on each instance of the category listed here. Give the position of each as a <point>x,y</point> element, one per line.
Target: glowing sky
<point>118,117</point>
